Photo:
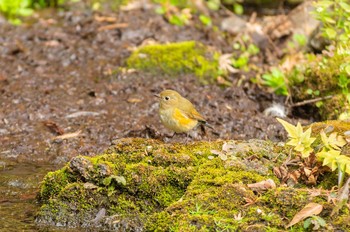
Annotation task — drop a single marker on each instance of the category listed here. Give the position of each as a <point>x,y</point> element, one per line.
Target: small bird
<point>177,113</point>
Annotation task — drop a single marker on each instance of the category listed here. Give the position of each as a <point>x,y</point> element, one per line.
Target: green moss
<point>285,201</point>
<point>321,74</point>
<point>175,59</point>
<point>53,183</point>
<point>150,186</point>
<point>124,204</point>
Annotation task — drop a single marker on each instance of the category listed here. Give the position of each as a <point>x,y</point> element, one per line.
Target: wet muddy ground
<point>57,77</point>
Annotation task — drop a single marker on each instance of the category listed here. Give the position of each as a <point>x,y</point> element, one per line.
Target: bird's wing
<point>195,115</point>
<point>188,109</point>
<point>182,117</point>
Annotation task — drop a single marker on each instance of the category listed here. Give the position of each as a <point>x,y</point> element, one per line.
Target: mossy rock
<point>175,59</point>
<point>321,75</point>
<point>146,185</point>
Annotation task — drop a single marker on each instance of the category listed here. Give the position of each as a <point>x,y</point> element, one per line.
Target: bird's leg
<point>188,137</point>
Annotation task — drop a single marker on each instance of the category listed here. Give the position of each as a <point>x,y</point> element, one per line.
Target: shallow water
<point>19,184</point>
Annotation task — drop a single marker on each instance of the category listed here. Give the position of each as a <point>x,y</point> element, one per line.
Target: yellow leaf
<point>299,148</point>
<point>324,138</point>
<point>293,142</point>
<point>334,165</point>
<point>347,169</point>
<point>299,130</point>
<point>306,152</point>
<point>291,130</point>
<point>300,140</point>
<point>333,141</point>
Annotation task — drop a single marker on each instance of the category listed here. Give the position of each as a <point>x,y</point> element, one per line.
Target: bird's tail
<point>205,124</point>
<point>208,125</point>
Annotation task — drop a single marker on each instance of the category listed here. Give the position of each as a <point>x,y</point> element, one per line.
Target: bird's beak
<point>156,95</point>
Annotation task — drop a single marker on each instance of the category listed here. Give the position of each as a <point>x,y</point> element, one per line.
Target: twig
<point>311,101</point>
<point>113,26</point>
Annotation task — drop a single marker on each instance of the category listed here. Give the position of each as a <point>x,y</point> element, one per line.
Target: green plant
<point>237,7</point>
<point>14,9</point>
<point>180,12</point>
<point>177,12</point>
<point>199,211</point>
<point>329,151</point>
<point>246,50</point>
<point>298,41</point>
<point>277,81</point>
<point>334,16</point>
<point>317,221</point>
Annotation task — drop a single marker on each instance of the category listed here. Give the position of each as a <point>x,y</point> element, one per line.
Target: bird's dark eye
<point>167,98</point>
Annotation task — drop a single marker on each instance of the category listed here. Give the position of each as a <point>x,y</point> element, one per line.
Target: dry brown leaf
<point>220,154</point>
<point>308,211</point>
<point>315,192</point>
<point>133,100</point>
<point>113,26</point>
<point>227,147</point>
<point>342,198</point>
<point>249,201</point>
<point>307,171</point>
<point>54,127</point>
<point>311,180</point>
<point>225,63</point>
<point>52,43</point>
<point>105,19</point>
<point>277,172</point>
<point>223,81</point>
<point>263,185</point>
<point>238,216</point>
<point>68,135</point>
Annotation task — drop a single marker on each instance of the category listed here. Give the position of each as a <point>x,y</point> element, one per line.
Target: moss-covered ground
<point>175,59</point>
<point>151,186</point>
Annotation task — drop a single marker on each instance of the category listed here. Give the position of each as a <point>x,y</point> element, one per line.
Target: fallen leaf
<point>133,100</point>
<point>342,198</point>
<point>222,81</point>
<point>309,210</point>
<point>89,185</point>
<point>315,192</point>
<point>113,26</point>
<point>307,171</point>
<point>277,172</point>
<point>228,147</point>
<point>53,127</point>
<point>52,43</point>
<point>238,216</point>
<point>263,185</point>
<point>225,63</point>
<point>294,176</point>
<point>105,19</point>
<point>249,201</point>
<point>311,180</point>
<point>82,113</point>
<point>68,135</point>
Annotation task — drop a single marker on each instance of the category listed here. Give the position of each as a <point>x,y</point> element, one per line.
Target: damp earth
<point>57,77</point>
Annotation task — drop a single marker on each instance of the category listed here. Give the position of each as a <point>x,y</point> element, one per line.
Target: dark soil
<point>62,65</point>
<point>57,76</point>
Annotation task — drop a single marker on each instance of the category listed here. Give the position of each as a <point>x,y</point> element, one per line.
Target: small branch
<point>311,101</point>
